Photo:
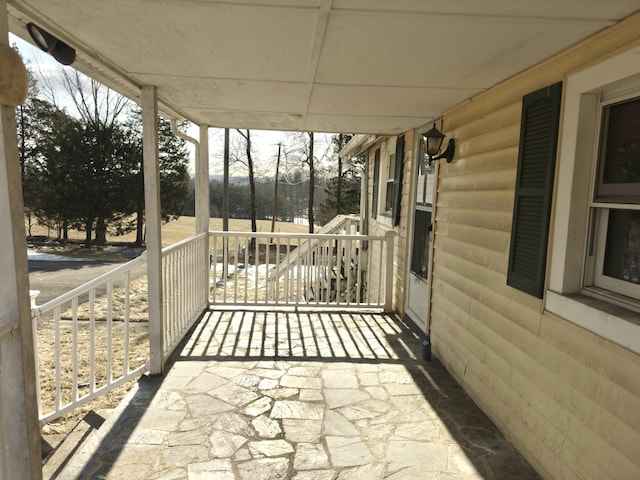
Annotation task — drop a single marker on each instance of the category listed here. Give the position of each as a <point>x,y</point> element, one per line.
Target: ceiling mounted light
<point>433,139</point>
<point>59,50</point>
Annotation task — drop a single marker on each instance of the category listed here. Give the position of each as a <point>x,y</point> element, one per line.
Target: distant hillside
<point>235,180</point>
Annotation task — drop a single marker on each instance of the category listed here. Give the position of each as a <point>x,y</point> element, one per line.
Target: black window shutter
<point>376,186</point>
<point>534,188</point>
<point>397,181</point>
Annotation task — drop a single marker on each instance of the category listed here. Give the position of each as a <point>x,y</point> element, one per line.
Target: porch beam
<point>149,102</point>
<point>20,453</point>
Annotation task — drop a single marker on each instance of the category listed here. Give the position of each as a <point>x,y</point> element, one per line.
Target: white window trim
<point>565,296</point>
<point>387,148</point>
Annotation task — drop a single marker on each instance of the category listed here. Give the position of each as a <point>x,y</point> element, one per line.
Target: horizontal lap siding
<point>568,399</point>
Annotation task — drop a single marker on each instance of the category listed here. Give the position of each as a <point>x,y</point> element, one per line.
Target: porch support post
<point>388,287</point>
<point>202,182</point>
<point>202,204</point>
<point>152,223</point>
<point>20,454</point>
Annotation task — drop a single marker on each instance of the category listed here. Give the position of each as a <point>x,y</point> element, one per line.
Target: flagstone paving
<point>350,399</point>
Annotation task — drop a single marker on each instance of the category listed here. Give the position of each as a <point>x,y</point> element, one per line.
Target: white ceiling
<point>358,66</point>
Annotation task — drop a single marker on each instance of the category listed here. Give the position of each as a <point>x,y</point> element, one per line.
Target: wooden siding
<point>568,399</point>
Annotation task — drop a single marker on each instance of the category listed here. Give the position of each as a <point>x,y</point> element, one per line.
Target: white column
<point>20,455</point>
<point>202,182</point>
<point>152,224</point>
<point>202,203</point>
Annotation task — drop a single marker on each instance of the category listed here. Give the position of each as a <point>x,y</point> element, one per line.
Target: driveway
<point>55,277</point>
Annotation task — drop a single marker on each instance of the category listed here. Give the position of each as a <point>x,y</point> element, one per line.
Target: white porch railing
<point>90,334</point>
<point>89,330</point>
<point>185,271</point>
<point>301,270</point>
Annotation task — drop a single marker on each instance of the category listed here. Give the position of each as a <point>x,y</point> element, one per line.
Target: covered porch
<point>264,395</point>
<point>350,394</point>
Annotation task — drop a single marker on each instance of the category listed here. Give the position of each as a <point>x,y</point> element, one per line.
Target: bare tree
<point>275,191</point>
<point>252,182</point>
<point>312,181</point>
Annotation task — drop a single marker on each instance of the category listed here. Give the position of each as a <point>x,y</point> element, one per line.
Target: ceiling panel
<point>366,66</point>
<point>439,51</point>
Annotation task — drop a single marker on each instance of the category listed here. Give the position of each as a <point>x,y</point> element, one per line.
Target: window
<point>422,215</point>
<point>614,256</point>
<point>391,173</point>
<point>387,180</point>
<point>376,179</point>
<point>595,222</point>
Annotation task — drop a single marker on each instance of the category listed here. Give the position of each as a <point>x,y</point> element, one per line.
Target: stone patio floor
<point>319,396</point>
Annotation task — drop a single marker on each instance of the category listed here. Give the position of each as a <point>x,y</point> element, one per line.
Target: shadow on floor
<point>383,345</point>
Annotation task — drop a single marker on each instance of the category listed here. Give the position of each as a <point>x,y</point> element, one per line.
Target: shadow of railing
<point>324,337</point>
<point>305,336</point>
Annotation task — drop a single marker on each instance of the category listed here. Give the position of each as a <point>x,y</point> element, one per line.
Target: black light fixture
<point>59,50</point>
<point>433,139</point>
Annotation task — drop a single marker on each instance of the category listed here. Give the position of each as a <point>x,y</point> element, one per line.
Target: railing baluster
<point>214,261</point>
<point>360,259</point>
<point>288,283</point>
<point>382,266</point>
<point>225,265</point>
<point>348,270</point>
<point>235,270</point>
<point>74,349</point>
<point>127,291</point>
<point>56,317</point>
<point>92,341</point>
<point>299,279</point>
<point>267,248</point>
<point>256,259</point>
<point>109,332</point>
<point>339,266</point>
<point>246,267</point>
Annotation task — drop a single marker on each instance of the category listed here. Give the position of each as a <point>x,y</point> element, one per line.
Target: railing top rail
<point>71,294</point>
<point>313,236</point>
<point>182,243</point>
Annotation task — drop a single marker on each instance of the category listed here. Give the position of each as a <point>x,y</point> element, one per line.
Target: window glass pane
<point>620,152</point>
<point>420,253</point>
<point>391,167</point>
<point>389,197</point>
<point>622,255</point>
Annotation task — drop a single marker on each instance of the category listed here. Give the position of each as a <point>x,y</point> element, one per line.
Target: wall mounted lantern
<point>433,139</point>
<point>59,50</point>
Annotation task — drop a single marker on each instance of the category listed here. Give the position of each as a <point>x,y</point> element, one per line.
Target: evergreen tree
<point>174,173</point>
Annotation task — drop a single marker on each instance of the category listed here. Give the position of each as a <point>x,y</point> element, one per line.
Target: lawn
<point>180,229</point>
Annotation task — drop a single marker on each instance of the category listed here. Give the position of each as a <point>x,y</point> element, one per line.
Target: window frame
<point>599,211</point>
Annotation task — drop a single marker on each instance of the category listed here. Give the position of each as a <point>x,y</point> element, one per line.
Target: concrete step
<point>59,448</point>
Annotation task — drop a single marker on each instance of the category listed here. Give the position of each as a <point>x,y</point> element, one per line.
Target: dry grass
<point>180,229</point>
<point>137,354</point>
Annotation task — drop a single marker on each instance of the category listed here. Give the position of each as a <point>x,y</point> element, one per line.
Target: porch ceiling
<point>361,66</point>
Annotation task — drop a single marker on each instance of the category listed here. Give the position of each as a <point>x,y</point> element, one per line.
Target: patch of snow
<point>35,256</point>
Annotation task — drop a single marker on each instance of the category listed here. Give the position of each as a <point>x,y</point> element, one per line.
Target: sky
<point>265,143</point>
